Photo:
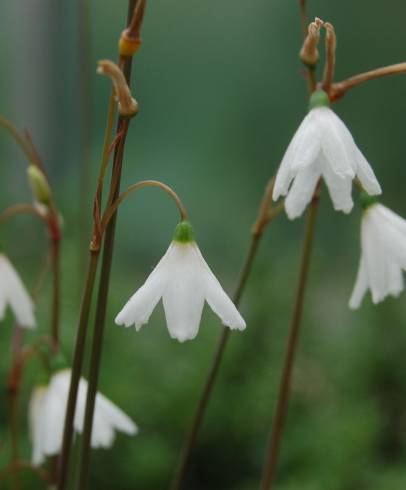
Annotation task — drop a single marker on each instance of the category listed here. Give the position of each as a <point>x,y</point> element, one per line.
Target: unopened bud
<point>127,105</point>
<point>309,53</point>
<point>39,185</point>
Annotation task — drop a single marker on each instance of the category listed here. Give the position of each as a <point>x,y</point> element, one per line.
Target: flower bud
<point>309,53</point>
<point>39,185</point>
<point>127,105</point>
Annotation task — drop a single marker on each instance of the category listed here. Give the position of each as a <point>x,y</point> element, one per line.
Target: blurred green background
<point>221,92</point>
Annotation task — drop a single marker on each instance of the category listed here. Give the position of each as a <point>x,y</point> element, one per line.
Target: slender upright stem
<point>101,306</point>
<point>190,440</point>
<point>20,139</point>
<point>76,370</point>
<point>56,292</point>
<point>84,62</point>
<point>97,342</point>
<point>303,17</point>
<point>284,387</point>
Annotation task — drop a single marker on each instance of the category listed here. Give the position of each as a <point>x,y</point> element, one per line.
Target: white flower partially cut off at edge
<point>383,255</point>
<point>322,147</point>
<point>14,293</point>
<point>184,281</point>
<point>47,416</point>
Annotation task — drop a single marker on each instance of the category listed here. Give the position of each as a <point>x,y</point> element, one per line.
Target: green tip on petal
<point>319,98</point>
<point>184,233</point>
<point>366,200</point>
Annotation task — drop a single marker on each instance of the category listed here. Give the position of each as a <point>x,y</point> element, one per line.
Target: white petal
<point>36,422</point>
<point>366,175</point>
<point>57,396</point>
<point>302,190</point>
<point>107,418</point>
<point>301,152</point>
<point>337,143</point>
<point>375,258</point>
<point>388,216</point>
<point>16,294</point>
<point>360,288</point>
<point>140,306</point>
<point>340,189</point>
<point>183,297</point>
<point>116,417</point>
<point>3,304</point>
<point>218,300</point>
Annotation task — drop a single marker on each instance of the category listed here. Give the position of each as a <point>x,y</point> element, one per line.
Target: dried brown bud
<point>309,53</point>
<point>127,105</point>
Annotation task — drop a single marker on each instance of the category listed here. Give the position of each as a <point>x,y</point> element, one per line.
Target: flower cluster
<point>323,147</point>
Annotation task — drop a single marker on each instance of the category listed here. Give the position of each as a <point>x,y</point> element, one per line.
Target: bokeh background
<point>221,92</point>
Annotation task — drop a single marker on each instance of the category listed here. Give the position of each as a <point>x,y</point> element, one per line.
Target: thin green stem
<point>21,141</point>
<point>76,370</point>
<point>97,343</point>
<point>284,387</point>
<point>84,61</point>
<point>56,292</point>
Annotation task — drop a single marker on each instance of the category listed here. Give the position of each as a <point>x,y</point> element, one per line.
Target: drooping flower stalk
<point>265,216</point>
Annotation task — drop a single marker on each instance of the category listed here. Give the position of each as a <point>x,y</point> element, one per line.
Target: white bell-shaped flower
<point>47,416</point>
<point>322,147</point>
<point>184,281</point>
<point>13,293</point>
<point>383,255</point>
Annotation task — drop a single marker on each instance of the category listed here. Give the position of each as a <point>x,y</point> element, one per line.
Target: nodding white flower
<point>322,147</point>
<point>13,293</point>
<point>383,254</point>
<point>184,281</point>
<point>47,416</point>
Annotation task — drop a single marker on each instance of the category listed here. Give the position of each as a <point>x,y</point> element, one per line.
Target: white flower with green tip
<point>184,281</point>
<point>14,294</point>
<point>383,255</point>
<point>47,415</point>
<point>322,147</point>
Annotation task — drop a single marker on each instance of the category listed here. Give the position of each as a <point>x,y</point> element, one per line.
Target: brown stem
<point>56,288</point>
<point>339,89</point>
<point>140,185</point>
<point>303,17</point>
<point>125,64</point>
<point>284,387</point>
<point>330,63</point>
<point>20,139</point>
<point>21,208</point>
